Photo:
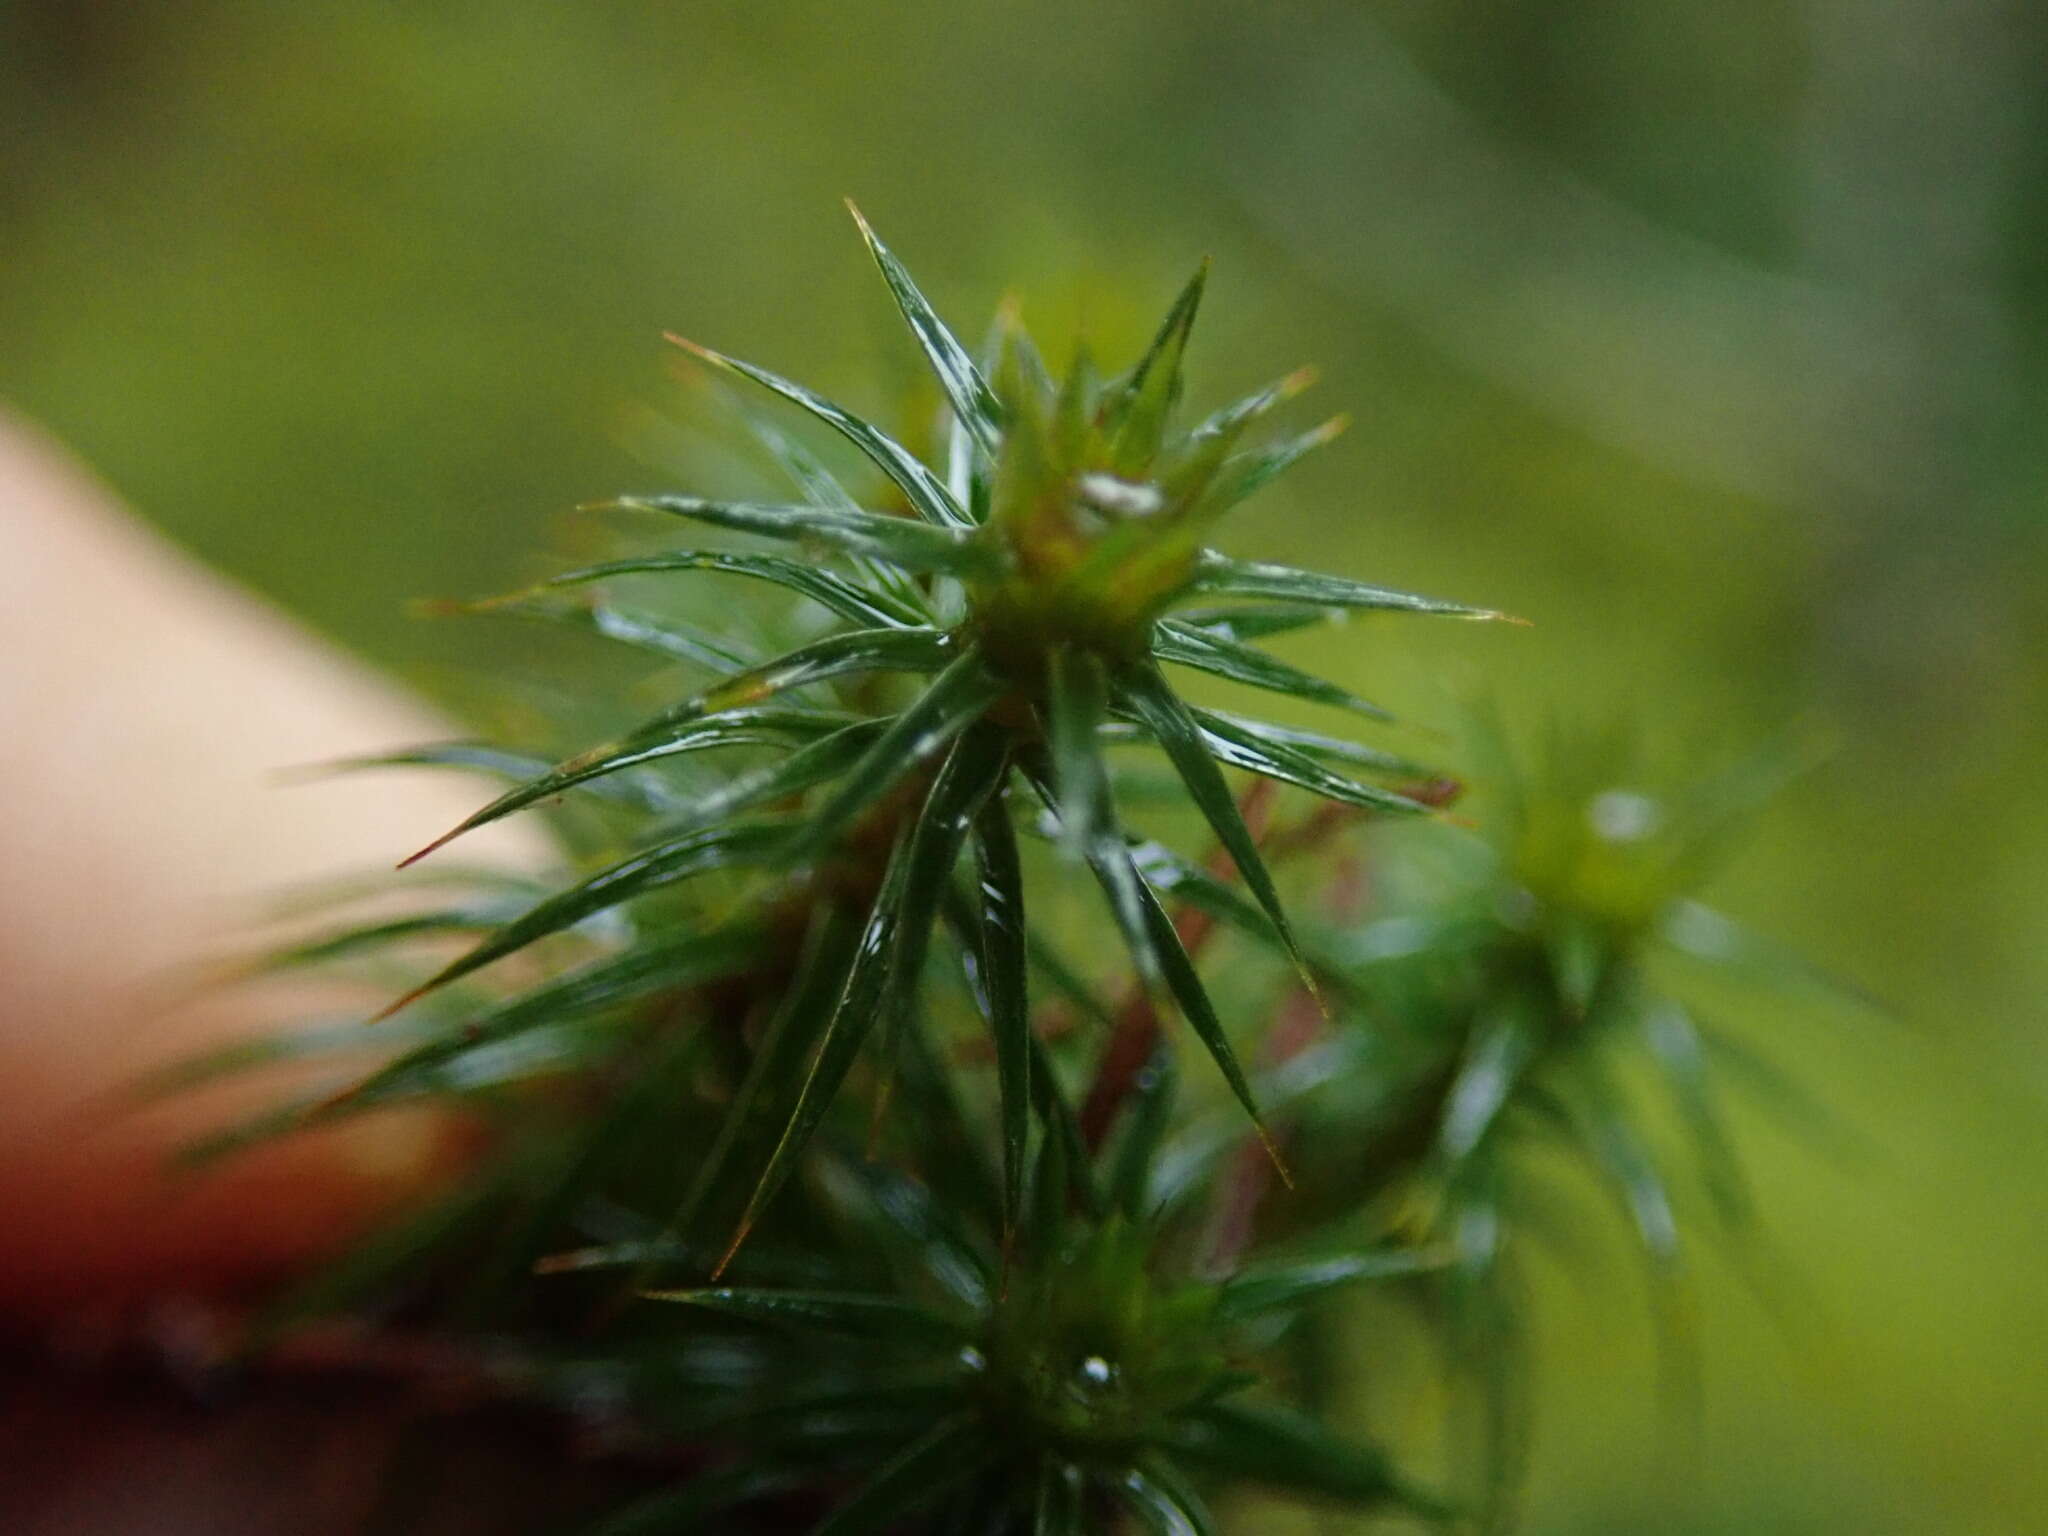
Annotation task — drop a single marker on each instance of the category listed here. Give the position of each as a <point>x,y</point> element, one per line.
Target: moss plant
<point>816,1139</point>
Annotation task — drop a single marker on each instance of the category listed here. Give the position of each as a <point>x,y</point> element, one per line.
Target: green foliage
<point>1032,1292</point>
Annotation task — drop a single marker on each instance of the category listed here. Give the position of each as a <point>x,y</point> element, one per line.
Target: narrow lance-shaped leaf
<point>815,763</point>
<point>1164,1502</point>
<point>850,601</point>
<point>1242,745</point>
<point>830,947</point>
<point>479,757</point>
<point>652,868</point>
<point>1282,1449</point>
<point>817,483</point>
<point>1177,731</point>
<point>973,770</point>
<point>912,545</point>
<point>1316,744</point>
<point>668,638</point>
<point>931,499</point>
<point>1276,1287</point>
<point>1076,704</point>
<point>1145,1127</point>
<point>851,1015</point>
<point>957,696</point>
<point>742,727</point>
<point>953,1451</point>
<point>607,983</point>
<point>1217,574</point>
<point>832,1312</point>
<point>1165,956</point>
<point>1154,387</point>
<point>1206,651</point>
<point>1002,949</point>
<point>973,402</point>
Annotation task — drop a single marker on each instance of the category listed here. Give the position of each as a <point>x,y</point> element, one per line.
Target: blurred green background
<point>1709,337</point>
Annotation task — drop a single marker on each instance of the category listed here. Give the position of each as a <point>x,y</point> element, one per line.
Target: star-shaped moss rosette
<point>1064,1377</point>
<point>1052,565</point>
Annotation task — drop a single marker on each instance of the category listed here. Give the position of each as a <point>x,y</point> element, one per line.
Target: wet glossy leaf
<point>956,698</point>
<point>1246,746</point>
<point>861,605</point>
<point>1189,645</point>
<point>1145,692</point>
<point>834,1312</point>
<point>1164,1503</point>
<point>744,726</point>
<point>973,402</point>
<point>1274,1287</point>
<point>875,535</point>
<point>1493,1063</point>
<point>931,499</point>
<point>1265,733</point>
<point>1281,1449</point>
<point>602,984</point>
<point>852,1015</point>
<point>1219,575</point>
<point>1003,962</point>
<point>1076,704</point>
<point>950,1453</point>
<point>732,847</point>
<point>670,638</point>
<point>1142,405</point>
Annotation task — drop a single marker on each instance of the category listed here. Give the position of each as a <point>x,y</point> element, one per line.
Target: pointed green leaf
<point>1259,621</point>
<point>900,541</point>
<point>482,758</point>
<point>1675,1042</point>
<point>1494,1061</point>
<point>1076,704</point>
<point>830,947</point>
<point>931,499</point>
<point>665,738</point>
<point>1190,646</point>
<point>664,864</point>
<point>956,698</point>
<point>973,402</point>
<point>1240,477</point>
<point>832,1312</point>
<point>664,637</point>
<point>860,605</point>
<point>1266,734</point>
<point>1145,402</point>
<point>1146,1122</point>
<point>1167,958</point>
<point>1164,1502</point>
<point>1219,575</point>
<point>1058,1509</point>
<point>973,770</point>
<point>1243,745</point>
<point>852,1014</point>
<point>1281,1449</point>
<point>1002,954</point>
<point>1185,744</point>
<point>913,1226</point>
<point>602,984</point>
<point>949,1454</point>
<point>1273,1287</point>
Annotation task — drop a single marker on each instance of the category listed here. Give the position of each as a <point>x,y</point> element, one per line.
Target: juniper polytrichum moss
<point>872,1187</point>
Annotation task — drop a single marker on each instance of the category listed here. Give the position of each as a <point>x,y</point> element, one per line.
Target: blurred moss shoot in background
<point>1709,338</point>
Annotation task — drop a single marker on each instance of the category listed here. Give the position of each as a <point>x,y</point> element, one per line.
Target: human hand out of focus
<point>148,706</point>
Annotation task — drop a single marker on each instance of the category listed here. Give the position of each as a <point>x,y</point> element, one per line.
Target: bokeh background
<point>1712,338</point>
